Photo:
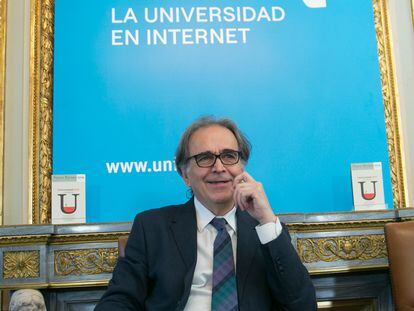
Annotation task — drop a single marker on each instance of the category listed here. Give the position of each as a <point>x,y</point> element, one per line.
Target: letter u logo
<point>368,195</point>
<point>68,209</point>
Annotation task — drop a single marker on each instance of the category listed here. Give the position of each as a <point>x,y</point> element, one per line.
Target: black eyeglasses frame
<point>216,156</point>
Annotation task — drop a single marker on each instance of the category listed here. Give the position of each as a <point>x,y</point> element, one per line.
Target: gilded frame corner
<point>41,84</point>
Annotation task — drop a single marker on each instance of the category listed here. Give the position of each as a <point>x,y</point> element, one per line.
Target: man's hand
<point>250,196</point>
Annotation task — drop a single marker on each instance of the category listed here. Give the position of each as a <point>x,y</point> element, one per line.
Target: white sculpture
<point>27,300</point>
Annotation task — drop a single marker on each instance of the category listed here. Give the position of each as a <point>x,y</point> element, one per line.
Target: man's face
<point>213,186</point>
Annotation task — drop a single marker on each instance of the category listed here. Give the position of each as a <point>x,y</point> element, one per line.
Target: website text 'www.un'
<point>132,167</point>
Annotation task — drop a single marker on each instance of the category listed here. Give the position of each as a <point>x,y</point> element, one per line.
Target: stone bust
<point>27,300</point>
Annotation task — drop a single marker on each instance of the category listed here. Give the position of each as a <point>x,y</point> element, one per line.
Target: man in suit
<point>224,249</point>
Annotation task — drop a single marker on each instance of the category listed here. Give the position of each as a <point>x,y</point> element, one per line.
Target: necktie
<point>224,294</point>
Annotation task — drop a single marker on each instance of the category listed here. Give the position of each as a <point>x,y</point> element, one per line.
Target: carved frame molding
<point>21,264</point>
<point>41,103</point>
<point>345,248</point>
<point>41,84</point>
<point>85,261</point>
<point>389,95</point>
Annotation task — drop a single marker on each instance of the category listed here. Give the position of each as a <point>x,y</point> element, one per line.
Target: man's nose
<point>218,166</point>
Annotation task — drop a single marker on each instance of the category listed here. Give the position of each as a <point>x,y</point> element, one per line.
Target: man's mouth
<point>218,182</point>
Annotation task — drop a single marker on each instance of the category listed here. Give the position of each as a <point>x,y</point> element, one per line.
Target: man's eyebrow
<point>221,151</point>
<point>205,152</point>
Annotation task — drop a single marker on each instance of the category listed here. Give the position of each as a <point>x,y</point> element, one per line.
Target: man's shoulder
<point>165,213</point>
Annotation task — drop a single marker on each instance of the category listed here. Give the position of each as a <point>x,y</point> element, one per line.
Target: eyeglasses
<point>208,159</point>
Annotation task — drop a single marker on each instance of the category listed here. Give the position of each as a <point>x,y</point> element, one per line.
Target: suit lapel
<point>184,229</point>
<point>246,248</point>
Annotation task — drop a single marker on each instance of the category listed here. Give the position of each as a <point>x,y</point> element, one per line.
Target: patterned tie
<point>224,296</point>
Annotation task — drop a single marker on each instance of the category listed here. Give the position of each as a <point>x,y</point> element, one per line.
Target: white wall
<point>16,113</point>
<point>403,49</point>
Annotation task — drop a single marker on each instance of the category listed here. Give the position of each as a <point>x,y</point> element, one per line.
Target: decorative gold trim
<point>391,111</point>
<point>348,248</point>
<point>33,110</point>
<point>346,269</point>
<point>24,240</point>
<point>103,282</point>
<point>407,219</point>
<point>61,239</point>
<point>337,225</point>
<point>41,98</point>
<point>3,37</point>
<point>22,285</point>
<point>21,264</point>
<point>85,261</point>
<point>41,81</point>
<point>351,305</point>
<point>77,284</point>
<point>87,238</point>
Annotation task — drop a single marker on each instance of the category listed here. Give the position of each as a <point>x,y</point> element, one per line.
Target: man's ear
<point>185,177</point>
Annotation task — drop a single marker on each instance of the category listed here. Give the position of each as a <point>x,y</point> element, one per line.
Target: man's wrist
<point>267,219</point>
<point>269,231</point>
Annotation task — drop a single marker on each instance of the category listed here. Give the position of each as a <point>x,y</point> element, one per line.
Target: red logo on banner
<point>67,209</point>
<point>368,195</point>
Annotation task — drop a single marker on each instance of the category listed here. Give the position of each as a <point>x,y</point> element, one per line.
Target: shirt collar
<point>205,216</point>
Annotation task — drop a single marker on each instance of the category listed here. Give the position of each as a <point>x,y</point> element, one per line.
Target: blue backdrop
<point>304,85</point>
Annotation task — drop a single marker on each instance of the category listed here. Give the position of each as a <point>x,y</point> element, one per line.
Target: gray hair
<point>182,152</point>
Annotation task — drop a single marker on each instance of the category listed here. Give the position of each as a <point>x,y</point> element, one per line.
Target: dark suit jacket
<point>157,270</point>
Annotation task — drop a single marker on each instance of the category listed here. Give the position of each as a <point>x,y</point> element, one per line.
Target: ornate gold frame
<point>3,29</point>
<point>389,95</point>
<point>41,82</point>
<point>41,103</point>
